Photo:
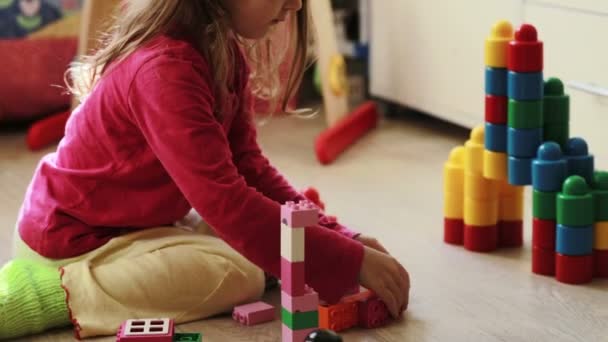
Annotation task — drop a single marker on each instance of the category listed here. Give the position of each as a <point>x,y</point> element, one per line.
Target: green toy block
<point>556,104</point>
<point>560,133</point>
<point>600,195</point>
<point>575,203</point>
<point>525,114</point>
<point>187,337</point>
<point>543,205</point>
<point>300,320</point>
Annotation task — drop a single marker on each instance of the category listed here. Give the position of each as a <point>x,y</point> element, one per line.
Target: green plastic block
<point>187,337</point>
<point>600,195</point>
<point>560,133</point>
<point>300,320</point>
<point>575,207</point>
<point>556,104</point>
<point>525,114</point>
<point>543,205</point>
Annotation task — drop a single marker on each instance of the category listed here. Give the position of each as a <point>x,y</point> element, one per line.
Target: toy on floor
<point>323,335</point>
<point>254,313</point>
<point>363,309</point>
<point>153,330</point>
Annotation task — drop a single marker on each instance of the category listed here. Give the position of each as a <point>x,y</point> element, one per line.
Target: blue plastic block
<point>574,240</point>
<point>549,169</point>
<point>524,143</point>
<point>525,86</point>
<point>520,171</point>
<point>495,137</point>
<point>496,81</point>
<point>580,162</point>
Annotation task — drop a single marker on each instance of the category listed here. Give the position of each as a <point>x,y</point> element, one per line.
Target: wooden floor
<point>389,186</point>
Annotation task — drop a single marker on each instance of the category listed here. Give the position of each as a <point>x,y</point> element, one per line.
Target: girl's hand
<point>384,275</point>
<point>372,243</point>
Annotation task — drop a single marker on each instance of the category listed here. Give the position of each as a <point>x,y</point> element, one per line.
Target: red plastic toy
<point>496,109</point>
<point>525,52</point>
<point>480,239</point>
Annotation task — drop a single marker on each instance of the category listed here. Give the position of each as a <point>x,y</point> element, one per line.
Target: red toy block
<point>600,263</point>
<point>298,215</point>
<point>335,140</point>
<point>574,269</point>
<point>292,278</point>
<point>254,313</point>
<point>480,239</point>
<point>309,301</point>
<point>313,195</point>
<point>453,231</point>
<point>338,317</point>
<point>510,234</point>
<point>543,233</point>
<point>373,313</point>
<point>47,131</point>
<point>146,330</point>
<point>525,52</point>
<point>288,335</point>
<point>496,109</point>
<point>543,261</point>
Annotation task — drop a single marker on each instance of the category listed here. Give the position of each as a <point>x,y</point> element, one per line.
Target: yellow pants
<point>179,272</point>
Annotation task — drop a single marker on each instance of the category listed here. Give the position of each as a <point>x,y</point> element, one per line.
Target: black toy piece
<point>323,335</point>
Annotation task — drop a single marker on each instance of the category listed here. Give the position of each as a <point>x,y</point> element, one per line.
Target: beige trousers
<point>182,272</point>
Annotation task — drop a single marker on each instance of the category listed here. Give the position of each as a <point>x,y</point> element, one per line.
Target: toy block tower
<point>556,113</point>
<point>453,194</point>
<point>600,243</point>
<point>525,92</point>
<point>299,311</point>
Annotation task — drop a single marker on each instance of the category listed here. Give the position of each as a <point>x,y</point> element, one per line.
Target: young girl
<point>165,129</point>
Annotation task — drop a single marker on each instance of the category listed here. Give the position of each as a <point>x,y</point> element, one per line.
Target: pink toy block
<point>373,313</point>
<point>298,215</point>
<point>146,330</point>
<point>254,313</point>
<point>305,303</point>
<point>292,277</point>
<point>288,335</point>
<point>292,243</point>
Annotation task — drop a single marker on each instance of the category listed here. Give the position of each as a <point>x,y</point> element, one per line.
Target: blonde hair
<point>204,23</point>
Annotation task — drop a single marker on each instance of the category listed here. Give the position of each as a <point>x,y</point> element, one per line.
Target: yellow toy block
<point>479,188</point>
<point>473,151</point>
<point>495,165</point>
<point>600,241</point>
<point>480,213</point>
<point>497,44</point>
<point>453,205</point>
<point>511,208</point>
<point>453,172</point>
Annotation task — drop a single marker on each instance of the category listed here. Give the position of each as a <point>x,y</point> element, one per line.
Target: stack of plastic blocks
<point>600,244</point>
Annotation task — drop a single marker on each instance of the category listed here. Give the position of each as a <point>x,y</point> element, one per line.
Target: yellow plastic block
<point>473,151</point>
<point>497,44</point>
<point>511,208</point>
<point>480,213</point>
<point>495,165</point>
<point>453,206</point>
<point>479,188</point>
<point>453,172</point>
<point>601,235</point>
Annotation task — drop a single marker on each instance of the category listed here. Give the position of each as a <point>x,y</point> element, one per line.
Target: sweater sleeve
<point>171,102</point>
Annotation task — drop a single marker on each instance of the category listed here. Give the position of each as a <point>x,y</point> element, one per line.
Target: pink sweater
<point>145,148</point>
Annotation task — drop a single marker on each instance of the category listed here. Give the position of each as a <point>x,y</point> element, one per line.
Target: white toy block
<point>292,243</point>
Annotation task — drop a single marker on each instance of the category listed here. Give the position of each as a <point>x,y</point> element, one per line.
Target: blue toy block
<point>496,81</point>
<point>520,171</point>
<point>574,240</point>
<point>495,137</point>
<point>549,169</point>
<point>525,86</point>
<point>580,162</point>
<point>524,143</point>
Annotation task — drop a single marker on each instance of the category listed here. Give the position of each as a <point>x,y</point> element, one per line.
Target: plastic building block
<point>556,104</point>
<point>292,243</point>
<point>496,109</point>
<point>520,171</point>
<point>373,313</point>
<point>481,239</point>
<point>292,277</point>
<point>525,52</point>
<point>496,81</point>
<point>453,205</point>
<point>549,169</point>
<point>312,195</point>
<point>187,337</point>
<point>300,320</point>
<point>600,239</point>
<point>309,301</point>
<point>254,313</point>
<point>600,195</point>
<point>544,205</point>
<point>524,143</point>
<point>453,231</point>
<point>600,263</point>
<point>453,172</point>
<point>510,234</point>
<point>525,86</point>
<point>496,137</point>
<point>495,165</point>
<point>289,335</point>
<point>299,215</point>
<point>47,131</point>
<point>323,335</point>
<point>525,114</point>
<point>574,269</point>
<point>479,188</point>
<point>339,317</point>
<point>575,203</point>
<point>497,43</point>
<point>543,261</point>
<point>511,202</point>
<point>543,233</point>
<point>473,151</point>
<point>574,240</point>
<point>560,133</point>
<point>335,140</point>
<point>146,330</point>
<point>480,212</point>
<point>580,162</point>
<point>509,190</point>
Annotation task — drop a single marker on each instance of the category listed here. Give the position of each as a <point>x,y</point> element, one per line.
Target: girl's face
<point>253,18</point>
